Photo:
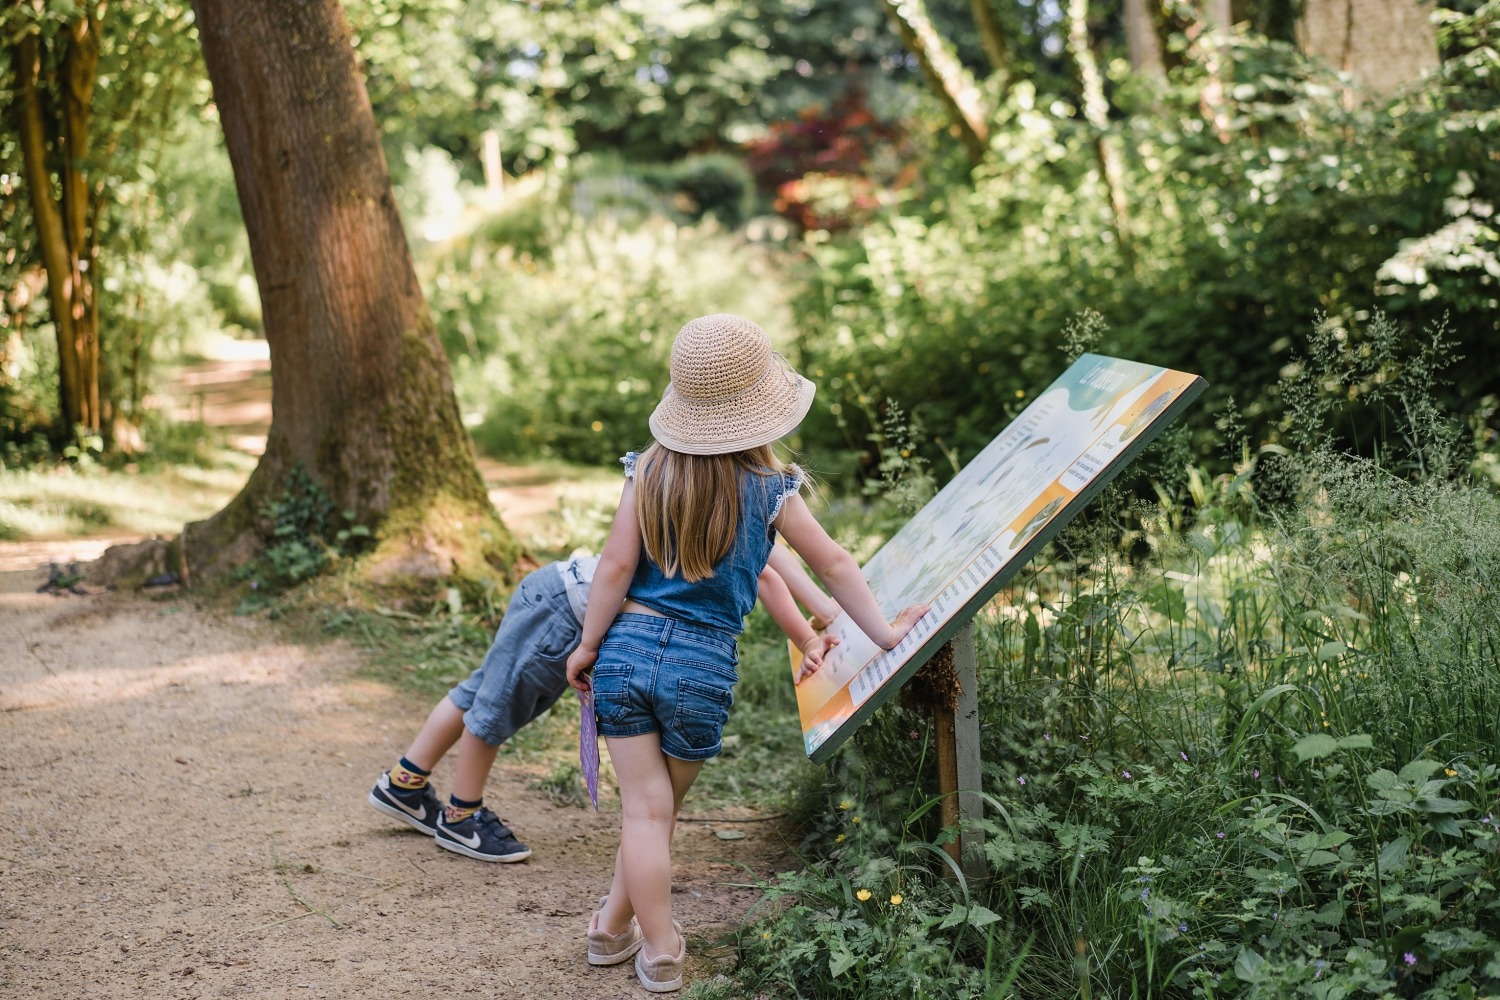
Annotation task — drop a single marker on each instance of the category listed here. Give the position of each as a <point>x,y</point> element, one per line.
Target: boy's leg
<point>465,826</point>
<point>443,728</point>
<point>472,768</point>
<point>651,789</point>
<point>403,791</point>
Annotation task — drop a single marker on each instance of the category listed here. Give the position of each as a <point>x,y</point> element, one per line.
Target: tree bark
<point>362,397</point>
<point>954,87</point>
<point>991,35</point>
<point>1096,113</point>
<point>1383,44</point>
<point>1142,43</point>
<point>55,141</point>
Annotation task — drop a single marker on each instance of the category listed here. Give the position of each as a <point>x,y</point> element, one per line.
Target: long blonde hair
<point>688,506</point>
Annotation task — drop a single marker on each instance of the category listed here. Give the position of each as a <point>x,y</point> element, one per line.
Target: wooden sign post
<point>959,774</point>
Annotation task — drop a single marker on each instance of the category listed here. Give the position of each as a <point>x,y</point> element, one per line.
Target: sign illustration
<point>985,524</point>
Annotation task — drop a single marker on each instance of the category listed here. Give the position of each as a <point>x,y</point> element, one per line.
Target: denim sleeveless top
<point>723,600</point>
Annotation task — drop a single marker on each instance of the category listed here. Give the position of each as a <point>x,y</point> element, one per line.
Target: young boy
<point>523,675</point>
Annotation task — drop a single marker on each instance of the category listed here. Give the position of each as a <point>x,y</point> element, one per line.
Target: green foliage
<point>307,534</point>
<point>715,185</point>
<point>1260,762</point>
<point>661,81</point>
<point>1305,204</point>
<point>149,75</point>
<point>543,369</point>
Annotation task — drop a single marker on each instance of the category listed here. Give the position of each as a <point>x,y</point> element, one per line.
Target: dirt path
<point>184,814</point>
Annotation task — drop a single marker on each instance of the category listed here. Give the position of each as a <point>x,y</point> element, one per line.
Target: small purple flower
<point>254,584</point>
<point>913,735</point>
<point>1182,927</point>
<point>1047,737</point>
<point>1145,895</point>
<point>1490,818</point>
<point>1183,755</point>
<point>1255,774</point>
<point>1220,835</point>
<point>1409,959</point>
<point>1321,965</point>
<point>1020,781</point>
<point>1125,775</point>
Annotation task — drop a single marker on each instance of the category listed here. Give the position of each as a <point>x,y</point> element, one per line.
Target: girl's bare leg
<point>652,786</point>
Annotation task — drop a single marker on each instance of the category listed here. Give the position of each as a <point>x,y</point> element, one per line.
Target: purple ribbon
<point>588,746</point>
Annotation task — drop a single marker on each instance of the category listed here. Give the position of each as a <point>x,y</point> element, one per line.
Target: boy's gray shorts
<point>525,671</point>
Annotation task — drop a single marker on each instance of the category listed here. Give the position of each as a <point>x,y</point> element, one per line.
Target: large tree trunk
<point>1383,44</point>
<point>362,397</point>
<point>54,154</point>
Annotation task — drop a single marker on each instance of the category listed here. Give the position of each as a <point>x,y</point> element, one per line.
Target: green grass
<point>73,502</point>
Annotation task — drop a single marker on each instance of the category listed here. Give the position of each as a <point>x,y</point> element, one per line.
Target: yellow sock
<point>408,776</point>
<point>458,810</point>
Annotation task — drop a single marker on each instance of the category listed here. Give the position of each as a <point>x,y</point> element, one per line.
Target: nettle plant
<point>308,533</point>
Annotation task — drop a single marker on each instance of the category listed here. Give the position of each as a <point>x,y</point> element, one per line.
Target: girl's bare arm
<point>840,574</point>
<point>612,578</point>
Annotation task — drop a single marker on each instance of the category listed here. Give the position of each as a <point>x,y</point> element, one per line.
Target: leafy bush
<point>563,353</point>
<point>715,184</point>
<point>1258,762</point>
<point>308,533</point>
<point>1302,206</point>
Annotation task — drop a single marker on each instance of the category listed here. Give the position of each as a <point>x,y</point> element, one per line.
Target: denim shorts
<point>525,671</point>
<point>661,675</point>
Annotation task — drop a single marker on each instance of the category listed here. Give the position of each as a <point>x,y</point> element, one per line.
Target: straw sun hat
<point>729,390</point>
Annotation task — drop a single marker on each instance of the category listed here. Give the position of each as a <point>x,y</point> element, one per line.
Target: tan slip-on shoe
<point>664,973</point>
<point>612,949</point>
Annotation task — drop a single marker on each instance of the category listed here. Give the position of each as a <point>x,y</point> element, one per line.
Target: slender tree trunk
<point>56,142</point>
<point>1142,43</point>
<point>991,35</point>
<point>952,83</point>
<point>361,392</point>
<point>1209,37</point>
<point>1096,112</point>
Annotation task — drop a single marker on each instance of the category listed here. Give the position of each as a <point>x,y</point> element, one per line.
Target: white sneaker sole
<point>469,852</point>
<point>655,985</point>
<point>395,813</point>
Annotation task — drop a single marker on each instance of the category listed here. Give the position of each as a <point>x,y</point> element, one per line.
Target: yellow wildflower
<point>846,804</point>
<point>854,819</point>
<point>862,895</point>
<point>839,839</point>
<point>896,898</point>
<point>1449,771</point>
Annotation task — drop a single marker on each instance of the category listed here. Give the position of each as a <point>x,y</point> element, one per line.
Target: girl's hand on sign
<point>904,622</point>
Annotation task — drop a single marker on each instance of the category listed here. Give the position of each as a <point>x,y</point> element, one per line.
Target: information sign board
<point>985,524</point>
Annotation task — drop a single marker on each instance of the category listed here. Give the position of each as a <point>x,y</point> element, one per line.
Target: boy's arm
<point>822,608</point>
<point>777,598</point>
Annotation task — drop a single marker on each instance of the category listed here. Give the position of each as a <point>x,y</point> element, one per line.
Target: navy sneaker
<point>418,807</point>
<point>481,836</point>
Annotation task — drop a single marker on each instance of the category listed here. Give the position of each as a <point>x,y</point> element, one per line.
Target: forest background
<point>1195,785</point>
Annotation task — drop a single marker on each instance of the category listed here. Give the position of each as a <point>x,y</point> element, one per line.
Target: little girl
<point>698,516</point>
